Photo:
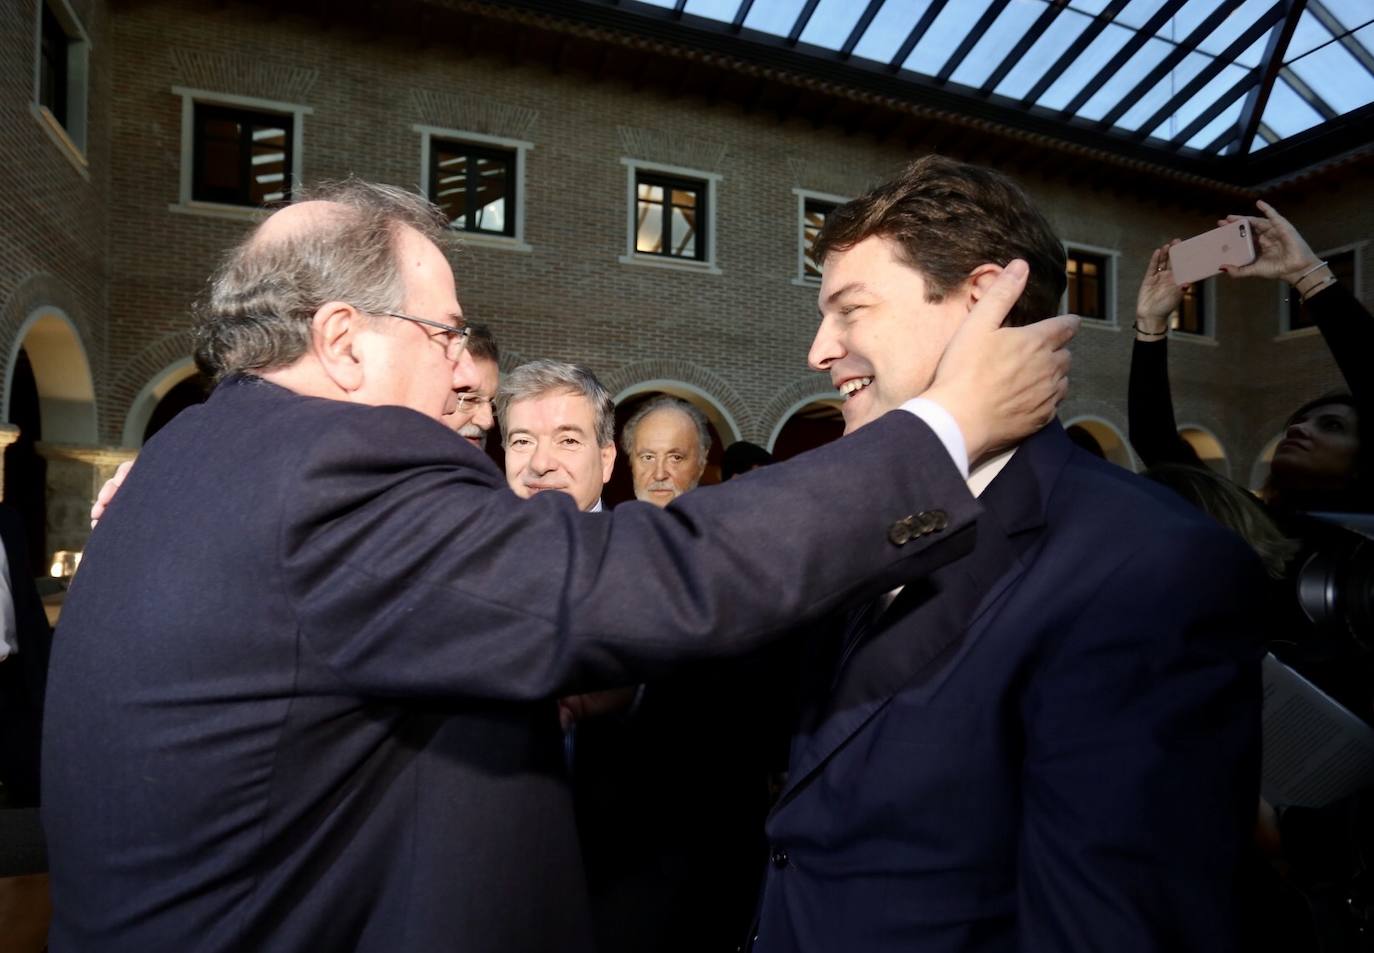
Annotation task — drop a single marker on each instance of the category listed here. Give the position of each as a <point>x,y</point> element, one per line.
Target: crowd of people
<point>950,683</point>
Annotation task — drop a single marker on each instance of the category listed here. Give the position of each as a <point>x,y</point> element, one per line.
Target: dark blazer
<point>302,694</point>
<point>1051,745</point>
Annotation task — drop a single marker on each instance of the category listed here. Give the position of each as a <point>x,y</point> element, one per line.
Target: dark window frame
<point>202,112</point>
<point>1196,324</point>
<point>670,183</point>
<point>1073,292</point>
<point>508,156</point>
<point>54,69</point>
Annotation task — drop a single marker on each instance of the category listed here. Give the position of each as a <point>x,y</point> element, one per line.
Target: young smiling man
<point>1051,744</point>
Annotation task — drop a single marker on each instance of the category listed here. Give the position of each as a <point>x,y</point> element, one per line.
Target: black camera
<point>1336,582</point>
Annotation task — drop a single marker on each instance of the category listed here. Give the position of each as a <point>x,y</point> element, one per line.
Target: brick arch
<point>35,293</point>
<point>145,367</point>
<point>670,369</point>
<point>780,407</point>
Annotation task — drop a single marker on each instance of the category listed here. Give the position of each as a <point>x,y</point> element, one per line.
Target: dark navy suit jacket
<point>301,697</point>
<point>1050,745</point>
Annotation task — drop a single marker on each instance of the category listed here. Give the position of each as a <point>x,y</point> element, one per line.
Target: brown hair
<point>949,217</point>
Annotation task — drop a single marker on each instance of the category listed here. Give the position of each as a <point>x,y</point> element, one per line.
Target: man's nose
<point>484,417</point>
<point>661,468</point>
<point>825,347</point>
<point>541,461</point>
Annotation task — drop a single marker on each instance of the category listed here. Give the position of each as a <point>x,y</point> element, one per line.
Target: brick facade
<point>113,249</point>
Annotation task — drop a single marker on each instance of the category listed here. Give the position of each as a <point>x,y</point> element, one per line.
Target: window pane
<point>684,233</point>
<point>684,199</point>
<point>475,186</point>
<point>1189,318</point>
<point>813,219</point>
<point>241,157</point>
<point>52,68</point>
<point>268,165</point>
<point>221,154</point>
<point>1087,291</point>
<point>491,178</point>
<point>650,235</point>
<point>651,193</point>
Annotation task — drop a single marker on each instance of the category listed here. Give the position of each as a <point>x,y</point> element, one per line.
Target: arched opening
<point>810,424</point>
<point>169,393</point>
<point>721,426</point>
<point>1208,448</point>
<point>49,396</point>
<point>1100,438</point>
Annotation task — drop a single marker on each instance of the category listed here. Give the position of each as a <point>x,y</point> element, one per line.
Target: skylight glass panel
<point>1287,113</point>
<point>1309,35</point>
<point>1188,18</point>
<point>1229,117</point>
<point>832,22</point>
<point>1110,92</point>
<point>1216,87</point>
<point>722,10</point>
<point>996,44</point>
<point>889,28</point>
<point>1253,56</point>
<point>1089,6</point>
<point>1083,69</point>
<point>1240,20</point>
<point>1138,13</point>
<point>774,16</point>
<point>1351,13</point>
<point>1043,54</point>
<point>1337,77</point>
<point>944,36</point>
<point>1161,92</point>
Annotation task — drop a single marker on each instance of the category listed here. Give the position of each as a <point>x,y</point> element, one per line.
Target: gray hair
<point>260,302</point>
<point>666,402</point>
<point>538,378</point>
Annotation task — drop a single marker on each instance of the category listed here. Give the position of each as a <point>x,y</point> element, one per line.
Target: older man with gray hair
<point>303,697</point>
<point>667,441</point>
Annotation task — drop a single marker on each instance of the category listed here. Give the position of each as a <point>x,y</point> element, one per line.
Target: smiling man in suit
<point>303,698</point>
<point>1051,745</point>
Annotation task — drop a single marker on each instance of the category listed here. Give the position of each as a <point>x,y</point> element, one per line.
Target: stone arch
<point>819,397</point>
<point>724,406</point>
<point>62,371</point>
<point>1109,437</point>
<point>143,405</point>
<point>1207,445</point>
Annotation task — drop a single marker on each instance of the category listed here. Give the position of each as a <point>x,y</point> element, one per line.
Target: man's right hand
<point>1002,384</point>
<point>108,491</point>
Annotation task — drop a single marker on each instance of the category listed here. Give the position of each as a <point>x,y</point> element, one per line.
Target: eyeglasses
<point>455,339</point>
<point>469,401</point>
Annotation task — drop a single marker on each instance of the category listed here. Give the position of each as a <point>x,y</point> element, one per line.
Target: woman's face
<point>1318,449</point>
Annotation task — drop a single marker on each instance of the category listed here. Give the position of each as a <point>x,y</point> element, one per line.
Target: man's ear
<point>607,462</point>
<point>980,280</point>
<point>334,338</point>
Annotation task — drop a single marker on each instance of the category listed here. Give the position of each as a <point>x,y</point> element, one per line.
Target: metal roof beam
<point>1219,106</point>
<point>856,34</point>
<point>799,24</point>
<point>918,31</point>
<point>1076,48</point>
<point>1123,55</point>
<point>971,39</point>
<point>741,14</point>
<point>1022,47</point>
<point>1222,60</point>
<point>1308,94</point>
<point>1343,36</point>
<point>1271,64</point>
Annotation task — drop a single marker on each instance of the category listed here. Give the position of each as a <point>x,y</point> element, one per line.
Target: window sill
<point>58,134</point>
<point>1206,340</point>
<point>238,213</point>
<point>502,242</point>
<point>1101,324</point>
<point>1298,333</point>
<point>647,261</point>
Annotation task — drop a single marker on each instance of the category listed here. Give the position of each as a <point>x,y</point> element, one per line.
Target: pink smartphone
<point>1203,255</point>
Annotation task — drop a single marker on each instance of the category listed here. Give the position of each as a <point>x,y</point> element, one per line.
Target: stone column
<point>75,474</point>
<point>9,433</point>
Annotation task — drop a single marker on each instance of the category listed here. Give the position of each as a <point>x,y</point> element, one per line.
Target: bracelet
<point>1150,334</point>
<point>1319,265</point>
<point>1322,285</point>
<point>1316,281</point>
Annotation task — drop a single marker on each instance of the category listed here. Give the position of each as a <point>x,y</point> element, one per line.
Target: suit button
<point>899,533</point>
<point>938,520</point>
<point>779,858</point>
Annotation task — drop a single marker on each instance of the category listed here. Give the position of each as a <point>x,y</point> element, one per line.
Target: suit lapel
<point>918,640</point>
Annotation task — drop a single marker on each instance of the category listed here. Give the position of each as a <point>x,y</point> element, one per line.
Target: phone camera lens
<point>1242,231</point>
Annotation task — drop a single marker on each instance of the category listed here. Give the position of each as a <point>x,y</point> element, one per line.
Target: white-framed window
<point>60,82</point>
<point>240,155</point>
<point>671,221</point>
<point>479,182</point>
<point>812,209</point>
<point>1294,319</point>
<point>1091,289</point>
